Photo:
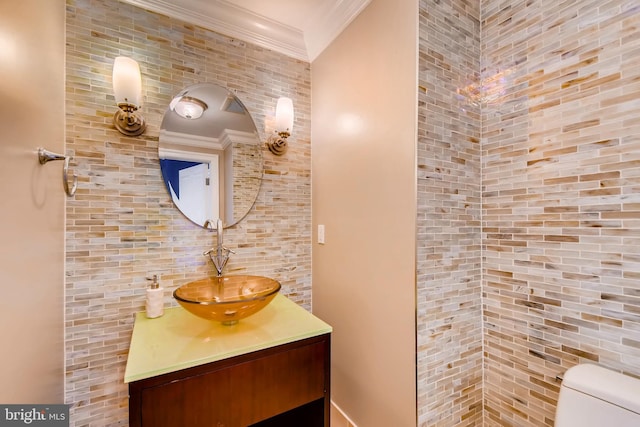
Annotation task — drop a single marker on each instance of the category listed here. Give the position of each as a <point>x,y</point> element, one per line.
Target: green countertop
<point>180,340</point>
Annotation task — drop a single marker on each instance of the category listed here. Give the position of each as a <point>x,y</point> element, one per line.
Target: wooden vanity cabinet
<point>285,385</point>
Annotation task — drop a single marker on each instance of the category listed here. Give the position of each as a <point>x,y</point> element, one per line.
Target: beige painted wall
<point>32,213</point>
<point>363,191</point>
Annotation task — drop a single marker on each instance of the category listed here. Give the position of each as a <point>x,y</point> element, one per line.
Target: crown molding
<point>240,23</point>
<point>189,141</point>
<point>330,23</point>
<point>234,22</point>
<point>226,138</point>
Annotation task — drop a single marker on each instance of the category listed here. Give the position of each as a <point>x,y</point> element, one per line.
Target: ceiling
<point>301,29</point>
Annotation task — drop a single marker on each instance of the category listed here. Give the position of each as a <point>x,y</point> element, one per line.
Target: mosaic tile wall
<point>449,259</point>
<point>122,226</point>
<point>247,167</point>
<point>561,197</point>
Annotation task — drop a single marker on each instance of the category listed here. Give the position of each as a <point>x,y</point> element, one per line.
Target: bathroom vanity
<point>270,369</point>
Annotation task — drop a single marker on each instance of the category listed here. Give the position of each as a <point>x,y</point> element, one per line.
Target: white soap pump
<point>154,303</point>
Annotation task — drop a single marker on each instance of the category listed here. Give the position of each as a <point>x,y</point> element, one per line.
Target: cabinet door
<point>240,394</point>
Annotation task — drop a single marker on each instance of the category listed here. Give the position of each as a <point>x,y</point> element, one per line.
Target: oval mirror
<point>210,155</point>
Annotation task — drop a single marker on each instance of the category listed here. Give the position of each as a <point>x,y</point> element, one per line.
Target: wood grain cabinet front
<point>286,385</point>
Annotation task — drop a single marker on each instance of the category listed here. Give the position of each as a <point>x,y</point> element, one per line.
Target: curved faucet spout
<point>220,254</point>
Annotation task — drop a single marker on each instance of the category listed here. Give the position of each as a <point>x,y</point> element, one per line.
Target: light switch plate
<point>321,234</point>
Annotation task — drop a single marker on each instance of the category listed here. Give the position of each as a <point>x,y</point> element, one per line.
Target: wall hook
<point>45,156</point>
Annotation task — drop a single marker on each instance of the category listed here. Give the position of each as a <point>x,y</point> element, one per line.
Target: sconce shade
<point>277,143</point>
<point>127,89</point>
<point>284,115</point>
<point>127,84</point>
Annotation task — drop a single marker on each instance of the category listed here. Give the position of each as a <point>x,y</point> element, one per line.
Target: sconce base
<point>129,123</point>
<point>277,143</point>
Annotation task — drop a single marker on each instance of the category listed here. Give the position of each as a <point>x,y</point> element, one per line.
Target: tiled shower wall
<point>122,226</point>
<point>561,197</point>
<point>449,332</point>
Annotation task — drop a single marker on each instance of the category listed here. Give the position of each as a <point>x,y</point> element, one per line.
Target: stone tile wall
<point>449,333</point>
<point>247,167</point>
<point>561,197</point>
<point>122,227</point>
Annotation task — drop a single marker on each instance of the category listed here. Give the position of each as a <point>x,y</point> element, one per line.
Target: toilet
<point>592,396</point>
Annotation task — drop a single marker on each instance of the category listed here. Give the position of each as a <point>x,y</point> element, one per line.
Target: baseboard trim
<point>343,415</point>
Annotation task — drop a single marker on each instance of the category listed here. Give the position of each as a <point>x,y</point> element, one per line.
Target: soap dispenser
<point>154,303</point>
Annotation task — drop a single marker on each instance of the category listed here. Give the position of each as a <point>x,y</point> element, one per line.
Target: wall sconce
<point>188,107</point>
<point>127,88</point>
<point>284,123</point>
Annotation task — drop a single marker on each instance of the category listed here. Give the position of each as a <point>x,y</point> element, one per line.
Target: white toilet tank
<point>592,396</point>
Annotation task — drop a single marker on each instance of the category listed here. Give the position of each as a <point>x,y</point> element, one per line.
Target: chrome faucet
<point>220,254</point>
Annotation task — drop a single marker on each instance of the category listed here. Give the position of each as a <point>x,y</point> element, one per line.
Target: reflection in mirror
<point>210,155</point>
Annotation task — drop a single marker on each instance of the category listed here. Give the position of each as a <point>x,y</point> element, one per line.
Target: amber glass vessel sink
<point>227,299</point>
